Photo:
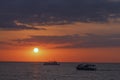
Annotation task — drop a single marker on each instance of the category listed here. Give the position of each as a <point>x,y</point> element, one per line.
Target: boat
<point>51,63</point>
<point>86,67</point>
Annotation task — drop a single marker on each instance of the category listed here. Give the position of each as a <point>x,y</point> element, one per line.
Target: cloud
<point>114,0</point>
<point>55,12</point>
<point>15,25</point>
<point>5,45</point>
<point>74,41</point>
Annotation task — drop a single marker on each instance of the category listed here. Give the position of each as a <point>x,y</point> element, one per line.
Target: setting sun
<point>35,50</point>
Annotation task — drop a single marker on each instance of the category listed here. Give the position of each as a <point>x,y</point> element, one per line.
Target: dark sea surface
<point>64,71</point>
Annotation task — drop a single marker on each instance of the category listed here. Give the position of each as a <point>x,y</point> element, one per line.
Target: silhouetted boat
<point>51,63</point>
<point>86,67</point>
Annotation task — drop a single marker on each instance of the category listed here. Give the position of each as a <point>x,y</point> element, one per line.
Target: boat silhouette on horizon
<point>51,63</point>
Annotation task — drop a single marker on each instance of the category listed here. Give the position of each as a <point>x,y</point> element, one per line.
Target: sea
<point>64,71</point>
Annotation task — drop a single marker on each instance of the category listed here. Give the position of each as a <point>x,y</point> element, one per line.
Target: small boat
<point>51,63</point>
<point>86,67</point>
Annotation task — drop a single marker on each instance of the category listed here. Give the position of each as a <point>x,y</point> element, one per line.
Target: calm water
<point>66,71</point>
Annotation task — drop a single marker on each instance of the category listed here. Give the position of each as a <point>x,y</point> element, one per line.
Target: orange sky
<point>62,55</point>
<point>24,52</point>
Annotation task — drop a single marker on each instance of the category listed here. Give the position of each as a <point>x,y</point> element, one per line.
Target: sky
<point>63,30</point>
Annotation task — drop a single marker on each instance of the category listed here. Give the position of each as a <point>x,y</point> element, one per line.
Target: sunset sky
<point>63,30</point>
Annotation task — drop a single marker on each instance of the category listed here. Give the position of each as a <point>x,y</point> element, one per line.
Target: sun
<point>36,50</point>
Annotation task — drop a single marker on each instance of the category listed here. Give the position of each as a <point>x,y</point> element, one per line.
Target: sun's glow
<point>35,50</point>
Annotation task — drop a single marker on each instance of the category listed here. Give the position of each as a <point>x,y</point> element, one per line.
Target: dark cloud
<point>75,41</point>
<point>59,12</point>
<point>114,0</point>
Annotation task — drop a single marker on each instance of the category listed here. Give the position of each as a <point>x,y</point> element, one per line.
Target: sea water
<point>64,71</point>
